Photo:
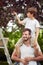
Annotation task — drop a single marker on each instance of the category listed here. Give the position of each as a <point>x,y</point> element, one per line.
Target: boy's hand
<point>14,13</point>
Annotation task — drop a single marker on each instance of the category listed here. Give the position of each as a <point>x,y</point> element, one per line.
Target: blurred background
<point>11,29</point>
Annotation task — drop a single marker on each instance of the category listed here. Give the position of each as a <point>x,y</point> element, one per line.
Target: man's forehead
<point>26,32</point>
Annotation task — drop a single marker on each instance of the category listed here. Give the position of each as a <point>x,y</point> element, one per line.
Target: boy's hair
<point>26,29</point>
<point>32,10</point>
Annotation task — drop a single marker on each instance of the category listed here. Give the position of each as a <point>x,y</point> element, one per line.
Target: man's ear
<point>30,36</point>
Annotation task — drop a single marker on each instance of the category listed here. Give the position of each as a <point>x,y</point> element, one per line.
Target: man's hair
<point>26,29</point>
<point>32,10</point>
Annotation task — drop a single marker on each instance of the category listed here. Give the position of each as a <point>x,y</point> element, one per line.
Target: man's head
<point>31,12</point>
<point>26,34</point>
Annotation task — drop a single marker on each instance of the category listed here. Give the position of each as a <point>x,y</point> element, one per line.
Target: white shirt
<point>27,52</point>
<point>31,24</point>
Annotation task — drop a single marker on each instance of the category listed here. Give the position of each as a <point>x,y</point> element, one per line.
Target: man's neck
<point>27,43</point>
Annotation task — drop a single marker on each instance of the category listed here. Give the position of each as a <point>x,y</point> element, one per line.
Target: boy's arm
<point>19,21</point>
<point>36,34</point>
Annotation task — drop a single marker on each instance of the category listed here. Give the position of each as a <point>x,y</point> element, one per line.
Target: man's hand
<point>24,61</point>
<point>28,59</point>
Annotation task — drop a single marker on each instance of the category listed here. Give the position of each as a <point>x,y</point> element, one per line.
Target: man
<point>25,50</point>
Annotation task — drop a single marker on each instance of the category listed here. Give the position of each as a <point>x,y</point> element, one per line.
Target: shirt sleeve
<point>24,21</point>
<point>37,24</point>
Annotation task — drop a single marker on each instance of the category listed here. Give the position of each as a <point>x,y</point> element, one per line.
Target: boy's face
<point>26,35</point>
<point>29,15</point>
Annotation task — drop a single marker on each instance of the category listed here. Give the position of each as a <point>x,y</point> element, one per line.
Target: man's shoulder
<point>22,46</point>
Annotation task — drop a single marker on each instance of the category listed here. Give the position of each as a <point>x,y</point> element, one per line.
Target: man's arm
<point>15,57</point>
<point>19,21</point>
<point>38,55</point>
<point>38,58</point>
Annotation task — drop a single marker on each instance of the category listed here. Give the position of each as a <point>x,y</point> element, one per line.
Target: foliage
<point>2,55</point>
<point>3,63</point>
<point>13,38</point>
<point>40,39</point>
<point>15,35</point>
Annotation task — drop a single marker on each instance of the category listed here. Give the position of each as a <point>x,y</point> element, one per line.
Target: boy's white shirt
<point>27,52</point>
<point>31,24</point>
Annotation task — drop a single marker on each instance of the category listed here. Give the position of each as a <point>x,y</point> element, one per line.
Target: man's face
<point>26,36</point>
